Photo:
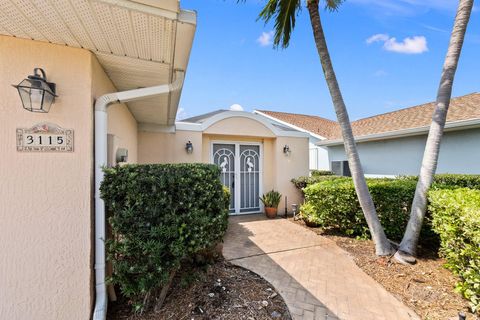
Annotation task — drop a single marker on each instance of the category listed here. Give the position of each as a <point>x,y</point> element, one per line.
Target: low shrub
<point>456,218</point>
<point>448,181</point>
<point>160,215</point>
<point>315,173</point>
<point>304,181</point>
<point>458,180</point>
<point>334,204</point>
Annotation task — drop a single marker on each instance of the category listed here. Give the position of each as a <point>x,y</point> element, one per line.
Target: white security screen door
<point>224,157</point>
<point>240,166</point>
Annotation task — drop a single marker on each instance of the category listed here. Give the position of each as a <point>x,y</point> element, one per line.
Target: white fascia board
<point>289,125</point>
<point>188,126</point>
<point>449,126</point>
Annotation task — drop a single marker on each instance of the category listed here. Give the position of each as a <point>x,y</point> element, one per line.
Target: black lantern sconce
<point>189,147</point>
<point>36,93</point>
<point>286,150</point>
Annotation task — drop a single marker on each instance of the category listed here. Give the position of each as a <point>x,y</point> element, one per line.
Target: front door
<point>240,166</point>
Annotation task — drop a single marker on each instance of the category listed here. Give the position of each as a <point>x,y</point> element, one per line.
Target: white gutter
<point>101,120</point>
<point>449,126</point>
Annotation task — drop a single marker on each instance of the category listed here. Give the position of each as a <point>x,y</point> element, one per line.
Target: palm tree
<point>408,246</point>
<point>284,13</point>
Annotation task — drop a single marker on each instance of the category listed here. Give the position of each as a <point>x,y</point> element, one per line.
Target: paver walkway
<point>317,279</point>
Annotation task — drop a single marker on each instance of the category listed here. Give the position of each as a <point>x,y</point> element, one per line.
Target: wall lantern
<point>189,147</point>
<point>287,150</point>
<point>36,93</point>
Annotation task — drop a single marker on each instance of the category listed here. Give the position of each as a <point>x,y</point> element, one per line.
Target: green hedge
<point>447,180</point>
<point>304,181</point>
<point>315,173</point>
<point>160,215</point>
<point>334,204</point>
<point>456,218</point>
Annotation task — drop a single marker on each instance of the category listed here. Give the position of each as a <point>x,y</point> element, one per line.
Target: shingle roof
<point>318,125</point>
<point>461,108</point>
<point>203,117</point>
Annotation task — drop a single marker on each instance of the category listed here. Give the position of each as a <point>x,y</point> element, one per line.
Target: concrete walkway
<point>316,278</point>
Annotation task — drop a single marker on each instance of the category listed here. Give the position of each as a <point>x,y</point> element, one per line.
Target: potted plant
<point>271,200</point>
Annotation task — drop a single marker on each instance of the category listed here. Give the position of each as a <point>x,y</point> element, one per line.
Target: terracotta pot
<point>271,212</point>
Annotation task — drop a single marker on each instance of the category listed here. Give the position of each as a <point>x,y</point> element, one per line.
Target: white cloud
<point>433,28</point>
<point>181,114</point>
<point>409,45</point>
<point>377,37</point>
<point>265,39</point>
<point>413,45</point>
<point>236,107</point>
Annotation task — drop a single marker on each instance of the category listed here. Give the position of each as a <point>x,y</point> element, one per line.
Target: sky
<point>387,55</point>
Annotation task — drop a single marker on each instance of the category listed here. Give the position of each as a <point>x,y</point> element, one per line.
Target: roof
<point>202,117</point>
<point>139,43</point>
<point>203,121</point>
<point>461,108</point>
<point>320,126</point>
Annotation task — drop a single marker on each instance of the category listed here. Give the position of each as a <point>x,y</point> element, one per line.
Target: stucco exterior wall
<point>159,147</point>
<point>459,153</point>
<point>235,125</point>
<point>288,167</point>
<point>46,198</point>
<point>277,169</point>
<point>121,123</point>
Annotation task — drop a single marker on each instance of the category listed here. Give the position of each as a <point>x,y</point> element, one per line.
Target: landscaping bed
<point>217,291</point>
<point>426,287</point>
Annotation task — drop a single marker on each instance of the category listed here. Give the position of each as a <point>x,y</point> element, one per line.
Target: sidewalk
<point>316,278</point>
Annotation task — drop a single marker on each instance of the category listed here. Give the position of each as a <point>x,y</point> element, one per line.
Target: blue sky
<point>233,62</point>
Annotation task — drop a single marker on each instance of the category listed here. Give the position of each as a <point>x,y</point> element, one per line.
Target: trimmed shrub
<point>304,181</point>
<point>456,218</point>
<point>160,215</point>
<point>449,181</point>
<point>334,204</point>
<point>315,173</point>
<point>457,180</point>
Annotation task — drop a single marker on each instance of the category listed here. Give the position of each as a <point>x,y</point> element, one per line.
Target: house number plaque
<point>45,137</point>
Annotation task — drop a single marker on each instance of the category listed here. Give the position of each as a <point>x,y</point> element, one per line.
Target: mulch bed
<point>217,291</point>
<point>426,287</point>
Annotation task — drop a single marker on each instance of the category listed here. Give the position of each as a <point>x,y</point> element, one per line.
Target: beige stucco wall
<point>278,169</point>
<point>121,123</point>
<point>236,125</point>
<point>45,199</point>
<point>159,147</point>
<point>292,166</point>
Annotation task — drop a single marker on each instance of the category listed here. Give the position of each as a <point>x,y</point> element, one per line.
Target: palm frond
<point>333,5</point>
<point>284,13</point>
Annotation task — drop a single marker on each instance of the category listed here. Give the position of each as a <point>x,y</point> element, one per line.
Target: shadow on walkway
<point>316,278</point>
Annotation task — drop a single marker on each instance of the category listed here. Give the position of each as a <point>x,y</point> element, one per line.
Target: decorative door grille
<point>240,171</point>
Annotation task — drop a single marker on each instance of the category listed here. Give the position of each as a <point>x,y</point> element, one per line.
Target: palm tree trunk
<point>382,245</point>
<point>408,246</point>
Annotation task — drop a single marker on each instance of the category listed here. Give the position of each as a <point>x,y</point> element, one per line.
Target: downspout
<point>101,118</point>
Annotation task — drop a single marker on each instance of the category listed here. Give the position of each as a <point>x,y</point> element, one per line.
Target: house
<point>254,154</point>
<point>98,82</point>
<point>392,144</point>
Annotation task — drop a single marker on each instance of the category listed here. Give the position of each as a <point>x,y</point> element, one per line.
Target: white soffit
<point>138,43</point>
